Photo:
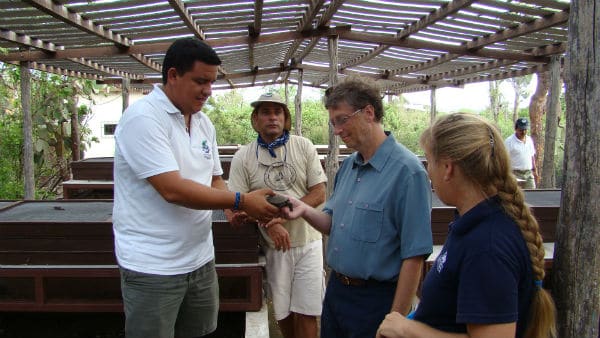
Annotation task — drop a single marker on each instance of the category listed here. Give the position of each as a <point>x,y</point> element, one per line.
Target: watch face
<point>280,176</point>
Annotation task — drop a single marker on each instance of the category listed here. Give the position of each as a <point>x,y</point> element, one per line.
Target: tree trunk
<point>547,179</point>
<point>495,99</point>
<point>517,88</point>
<point>577,251</point>
<point>28,167</point>
<point>537,107</point>
<point>75,137</point>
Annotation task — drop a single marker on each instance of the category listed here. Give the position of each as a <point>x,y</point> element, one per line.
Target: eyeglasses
<point>341,120</point>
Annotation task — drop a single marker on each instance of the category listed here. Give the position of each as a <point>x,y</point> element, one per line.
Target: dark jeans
<point>355,311</point>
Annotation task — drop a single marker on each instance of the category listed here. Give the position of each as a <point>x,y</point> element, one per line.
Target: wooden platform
<point>59,256</point>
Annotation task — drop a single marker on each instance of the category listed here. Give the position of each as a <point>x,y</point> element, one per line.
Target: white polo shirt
<point>152,235</point>
<point>520,152</point>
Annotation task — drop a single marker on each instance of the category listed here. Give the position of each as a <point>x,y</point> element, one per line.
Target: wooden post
<point>298,105</point>
<point>577,253</point>
<point>28,167</point>
<point>331,163</point>
<point>125,92</point>
<point>547,179</point>
<point>432,111</point>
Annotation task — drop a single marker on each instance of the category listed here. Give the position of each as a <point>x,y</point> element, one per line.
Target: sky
<point>473,96</point>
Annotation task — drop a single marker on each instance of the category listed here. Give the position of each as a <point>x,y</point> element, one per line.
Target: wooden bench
<point>59,256</point>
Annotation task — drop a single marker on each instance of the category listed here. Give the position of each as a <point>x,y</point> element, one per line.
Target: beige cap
<point>275,98</point>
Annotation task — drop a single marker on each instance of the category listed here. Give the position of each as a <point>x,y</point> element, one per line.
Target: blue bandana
<point>281,140</point>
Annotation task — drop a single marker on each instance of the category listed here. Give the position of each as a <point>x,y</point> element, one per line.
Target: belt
<point>350,281</point>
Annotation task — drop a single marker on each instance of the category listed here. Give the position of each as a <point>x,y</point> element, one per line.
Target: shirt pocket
<point>368,221</point>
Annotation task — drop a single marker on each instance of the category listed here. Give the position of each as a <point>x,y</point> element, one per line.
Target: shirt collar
<point>381,154</point>
<point>163,102</point>
<point>463,224</point>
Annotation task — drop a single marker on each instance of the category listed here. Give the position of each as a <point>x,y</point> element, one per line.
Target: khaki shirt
<point>295,169</point>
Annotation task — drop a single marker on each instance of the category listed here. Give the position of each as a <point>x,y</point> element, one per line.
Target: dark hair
<point>184,52</point>
<point>356,91</point>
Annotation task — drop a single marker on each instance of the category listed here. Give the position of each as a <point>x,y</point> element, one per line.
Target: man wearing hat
<point>522,154</point>
<point>289,165</point>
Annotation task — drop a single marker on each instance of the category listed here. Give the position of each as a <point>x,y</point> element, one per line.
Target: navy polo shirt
<point>483,274</point>
<point>381,213</point>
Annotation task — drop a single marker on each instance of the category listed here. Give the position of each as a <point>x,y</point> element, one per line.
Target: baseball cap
<point>522,123</point>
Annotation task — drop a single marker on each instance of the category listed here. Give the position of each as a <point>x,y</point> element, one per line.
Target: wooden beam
<point>185,15</point>
<point>69,17</point>
<point>64,72</point>
<point>435,16</point>
<point>472,69</point>
<point>425,65</point>
<point>428,20</point>
<point>333,7</point>
<point>28,41</point>
<point>521,29</point>
<point>147,62</point>
<point>161,47</point>
<point>421,44</point>
<point>104,69</point>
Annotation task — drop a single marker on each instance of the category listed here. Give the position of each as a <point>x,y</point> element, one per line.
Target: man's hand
<point>237,218</point>
<point>279,235</point>
<point>255,205</point>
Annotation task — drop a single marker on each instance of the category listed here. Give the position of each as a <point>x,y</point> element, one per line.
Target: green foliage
<point>231,117</point>
<point>51,97</point>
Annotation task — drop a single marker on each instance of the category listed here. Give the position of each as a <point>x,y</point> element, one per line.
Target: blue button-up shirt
<point>381,213</point>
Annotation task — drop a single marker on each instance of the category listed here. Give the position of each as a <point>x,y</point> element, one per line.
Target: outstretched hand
<point>297,210</point>
<point>255,205</point>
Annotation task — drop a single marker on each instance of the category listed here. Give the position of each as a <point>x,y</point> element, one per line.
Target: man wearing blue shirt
<point>378,217</point>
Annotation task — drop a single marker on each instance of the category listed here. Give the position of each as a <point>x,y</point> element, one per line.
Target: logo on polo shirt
<point>439,262</point>
<point>206,150</point>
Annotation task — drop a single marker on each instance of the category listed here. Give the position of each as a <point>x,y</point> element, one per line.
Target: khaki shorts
<point>525,178</point>
<point>296,279</point>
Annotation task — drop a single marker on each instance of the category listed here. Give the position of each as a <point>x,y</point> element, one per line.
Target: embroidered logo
<point>439,262</point>
<point>206,150</point>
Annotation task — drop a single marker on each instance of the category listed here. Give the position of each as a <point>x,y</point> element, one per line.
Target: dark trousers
<point>355,311</point>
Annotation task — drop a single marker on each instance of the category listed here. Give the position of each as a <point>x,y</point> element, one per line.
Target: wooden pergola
<point>408,45</point>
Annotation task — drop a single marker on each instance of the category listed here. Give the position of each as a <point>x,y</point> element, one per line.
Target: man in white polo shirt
<point>167,178</point>
<point>522,154</point>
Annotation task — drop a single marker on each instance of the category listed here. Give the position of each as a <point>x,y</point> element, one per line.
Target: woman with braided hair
<point>487,280</point>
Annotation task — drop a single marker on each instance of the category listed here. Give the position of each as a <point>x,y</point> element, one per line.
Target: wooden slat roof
<point>408,45</point>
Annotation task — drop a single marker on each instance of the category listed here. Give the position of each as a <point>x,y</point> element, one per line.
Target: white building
<point>106,112</point>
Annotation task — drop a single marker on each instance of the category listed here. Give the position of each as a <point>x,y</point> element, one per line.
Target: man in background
<point>522,154</point>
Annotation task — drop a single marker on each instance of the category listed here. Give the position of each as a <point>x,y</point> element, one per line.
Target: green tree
<point>53,96</point>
